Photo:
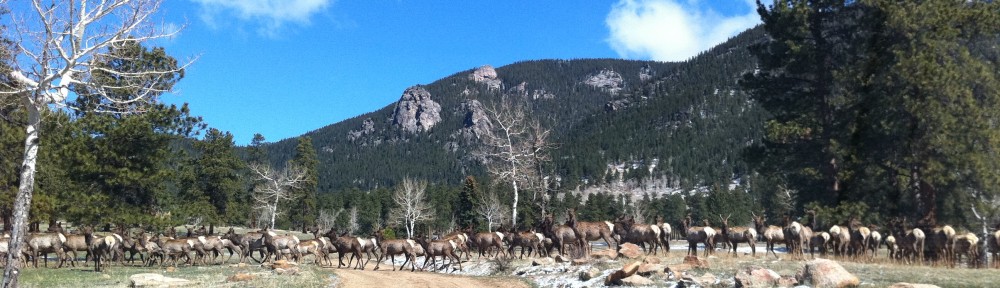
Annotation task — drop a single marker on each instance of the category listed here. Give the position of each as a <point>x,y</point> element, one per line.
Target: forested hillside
<point>687,116</point>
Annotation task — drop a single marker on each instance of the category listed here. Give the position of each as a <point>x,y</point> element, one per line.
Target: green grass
<point>206,276</point>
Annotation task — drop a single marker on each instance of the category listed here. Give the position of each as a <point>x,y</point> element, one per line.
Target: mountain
<point>683,123</point>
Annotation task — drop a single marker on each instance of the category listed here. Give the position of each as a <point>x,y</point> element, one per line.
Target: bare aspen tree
<point>276,187</point>
<point>59,44</point>
<point>352,221</point>
<point>328,218</point>
<point>512,147</point>
<point>412,205</point>
<point>490,208</point>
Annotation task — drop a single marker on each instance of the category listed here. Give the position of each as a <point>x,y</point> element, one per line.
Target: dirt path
<point>368,278</point>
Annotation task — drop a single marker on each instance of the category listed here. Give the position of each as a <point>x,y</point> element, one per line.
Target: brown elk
<point>76,243</point>
<point>591,231</point>
<point>911,241</point>
<point>739,234</point>
<point>346,244</point>
<point>248,243</point>
<point>873,241</point>
<point>561,235</point>
<point>860,235</point>
<point>665,231</point>
<point>394,247</point>
<point>772,234</point>
<point>640,233</point>
<point>695,235</point>
<point>279,243</point>
<point>313,247</point>
<point>527,240</point>
<point>966,244</point>
<point>171,249</point>
<point>994,246</point>
<point>462,238</point>
<point>485,241</point>
<point>101,247</point>
<point>444,248</point>
<point>41,244</point>
<point>796,237</point>
<point>892,247</point>
<point>941,241</point>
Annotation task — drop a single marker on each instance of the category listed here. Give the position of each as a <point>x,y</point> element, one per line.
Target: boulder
<point>588,274</point>
<point>911,285</point>
<point>788,282</point>
<point>630,251</point>
<point>823,273</point>
<point>581,261</point>
<point>707,280</point>
<point>562,259</point>
<point>652,260</point>
<point>757,277</point>
<point>650,269</point>
<point>677,269</point>
<point>289,271</point>
<point>695,262</point>
<point>157,280</point>
<point>240,277</point>
<point>283,264</point>
<point>543,261</point>
<point>616,277</point>
<point>607,254</point>
<point>636,281</point>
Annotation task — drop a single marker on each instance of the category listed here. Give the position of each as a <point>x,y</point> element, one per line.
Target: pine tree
<point>303,209</point>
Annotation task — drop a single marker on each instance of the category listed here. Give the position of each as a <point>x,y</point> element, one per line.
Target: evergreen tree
<point>218,170</point>
<point>303,209</point>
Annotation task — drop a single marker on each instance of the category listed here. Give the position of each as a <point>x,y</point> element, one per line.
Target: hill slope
<point>684,122</point>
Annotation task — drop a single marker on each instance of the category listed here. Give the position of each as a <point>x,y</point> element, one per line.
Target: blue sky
<point>285,67</point>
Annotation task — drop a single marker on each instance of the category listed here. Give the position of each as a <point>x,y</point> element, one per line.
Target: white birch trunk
<point>22,202</point>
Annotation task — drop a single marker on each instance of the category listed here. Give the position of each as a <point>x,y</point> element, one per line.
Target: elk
<point>739,234</point>
<point>772,234</point>
<point>796,236</point>
<point>462,238</point>
<point>860,236</point>
<point>697,235</point>
<point>41,244</point>
<point>840,238</point>
<point>394,247</point>
<point>966,244</point>
<point>278,243</point>
<point>172,249</point>
<point>311,246</point>
<point>941,240</point>
<point>74,243</point>
<point>485,241</point>
<point>248,243</point>
<point>665,231</point>
<point>591,231</point>
<point>102,247</point>
<point>527,240</point>
<point>911,242</point>
<point>994,241</point>
<point>561,235</point>
<point>641,233</point>
<point>873,241</point>
<point>892,247</point>
<point>369,246</point>
<point>346,244</point>
<point>444,248</point>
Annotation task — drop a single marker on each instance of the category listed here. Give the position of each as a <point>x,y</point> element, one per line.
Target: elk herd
<point>851,240</point>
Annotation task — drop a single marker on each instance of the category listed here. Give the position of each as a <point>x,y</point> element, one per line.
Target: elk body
<point>485,241</point>
<point>591,231</point>
<point>966,244</point>
<point>528,240</point>
<point>561,235</point>
<point>76,243</point>
<point>41,244</point>
<point>641,234</point>
<point>840,239</point>
<point>276,244</point>
<point>394,247</point>
<point>772,234</point>
<point>665,231</point>
<point>346,244</point>
<point>695,235</point>
<point>860,236</point>
<point>739,234</point>
<point>172,249</point>
<point>444,248</point>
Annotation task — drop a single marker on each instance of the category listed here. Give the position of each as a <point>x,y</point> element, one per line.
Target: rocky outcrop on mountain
<point>415,111</point>
<point>646,73</point>
<point>606,79</point>
<point>367,127</point>
<point>522,90</point>
<point>486,75</point>
<point>475,124</point>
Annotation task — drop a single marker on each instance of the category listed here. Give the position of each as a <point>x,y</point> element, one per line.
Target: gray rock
<point>636,280</point>
<point>823,273</point>
<point>415,111</point>
<point>606,79</point>
<point>543,261</point>
<point>589,274</point>
<point>486,75</point>
<point>157,280</point>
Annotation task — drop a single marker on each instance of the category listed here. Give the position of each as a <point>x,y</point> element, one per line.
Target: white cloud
<point>667,30</point>
<point>269,15</point>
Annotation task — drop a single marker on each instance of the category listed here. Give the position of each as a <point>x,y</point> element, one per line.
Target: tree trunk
<point>513,217</point>
<point>22,201</point>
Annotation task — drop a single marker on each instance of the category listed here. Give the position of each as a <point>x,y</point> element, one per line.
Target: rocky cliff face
<point>486,75</point>
<point>606,79</point>
<point>415,111</point>
<point>367,127</point>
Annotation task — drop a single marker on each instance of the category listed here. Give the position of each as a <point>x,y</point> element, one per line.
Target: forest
<point>871,109</point>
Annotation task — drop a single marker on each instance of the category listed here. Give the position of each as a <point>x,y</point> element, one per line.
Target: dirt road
<point>388,278</point>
